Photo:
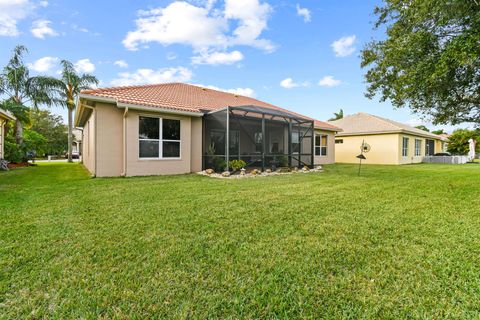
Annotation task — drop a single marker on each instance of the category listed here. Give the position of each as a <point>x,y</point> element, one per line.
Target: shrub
<point>219,164</point>
<point>237,164</point>
<point>13,152</point>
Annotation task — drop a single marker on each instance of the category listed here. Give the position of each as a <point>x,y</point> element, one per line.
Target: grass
<point>396,242</point>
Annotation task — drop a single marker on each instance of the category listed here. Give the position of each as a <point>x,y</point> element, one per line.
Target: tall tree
<point>68,88</point>
<point>429,59</point>
<point>458,141</point>
<point>422,127</point>
<point>50,126</point>
<point>337,115</point>
<point>439,131</point>
<point>23,91</point>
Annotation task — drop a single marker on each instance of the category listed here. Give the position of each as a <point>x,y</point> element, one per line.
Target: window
<point>159,138</point>
<point>405,147</point>
<point>338,141</point>
<point>321,145</point>
<point>418,147</point>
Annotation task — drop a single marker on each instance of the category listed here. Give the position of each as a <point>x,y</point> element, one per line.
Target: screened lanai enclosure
<point>262,137</point>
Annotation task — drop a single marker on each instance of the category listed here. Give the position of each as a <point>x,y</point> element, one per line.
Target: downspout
<point>125,113</point>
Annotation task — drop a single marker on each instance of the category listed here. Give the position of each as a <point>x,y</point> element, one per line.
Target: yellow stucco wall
<point>330,157</point>
<point>385,149</point>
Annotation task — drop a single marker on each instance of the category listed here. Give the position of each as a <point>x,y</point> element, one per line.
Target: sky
<point>300,55</point>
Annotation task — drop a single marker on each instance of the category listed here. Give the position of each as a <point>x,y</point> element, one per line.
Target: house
<point>178,128</point>
<point>390,142</point>
<point>4,117</point>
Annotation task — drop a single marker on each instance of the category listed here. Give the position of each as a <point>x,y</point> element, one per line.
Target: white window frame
<point>405,146</point>
<point>418,147</point>
<point>160,139</point>
<point>320,146</point>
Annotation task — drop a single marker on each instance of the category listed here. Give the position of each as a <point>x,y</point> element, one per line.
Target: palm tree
<point>337,115</point>
<point>21,90</point>
<point>68,88</point>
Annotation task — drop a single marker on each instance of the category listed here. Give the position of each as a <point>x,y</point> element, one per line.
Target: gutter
<point>125,113</point>
<point>158,109</point>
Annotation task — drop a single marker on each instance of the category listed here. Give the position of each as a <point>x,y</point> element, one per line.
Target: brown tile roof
<point>185,97</point>
<point>364,123</point>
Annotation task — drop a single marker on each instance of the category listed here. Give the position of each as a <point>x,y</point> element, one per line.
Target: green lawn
<point>397,242</point>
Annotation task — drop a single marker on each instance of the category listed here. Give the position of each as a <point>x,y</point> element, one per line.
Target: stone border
<point>258,173</point>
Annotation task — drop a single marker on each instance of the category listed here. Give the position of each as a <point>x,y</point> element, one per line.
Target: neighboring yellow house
<point>391,142</point>
<point>4,117</point>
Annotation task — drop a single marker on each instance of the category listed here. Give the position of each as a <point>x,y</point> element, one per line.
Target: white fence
<point>446,159</point>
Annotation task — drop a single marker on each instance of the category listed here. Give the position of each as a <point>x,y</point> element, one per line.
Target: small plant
<point>237,164</point>
<point>219,164</point>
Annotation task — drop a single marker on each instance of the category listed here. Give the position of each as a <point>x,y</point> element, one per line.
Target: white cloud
<point>150,76</point>
<point>121,63</point>
<point>44,64</point>
<point>252,19</point>
<point>215,58</point>
<point>203,27</point>
<point>84,66</point>
<point>329,81</point>
<point>415,122</point>
<point>288,83</point>
<point>248,92</point>
<point>305,13</point>
<point>344,46</point>
<point>11,12</point>
<point>41,28</point>
<point>43,4</point>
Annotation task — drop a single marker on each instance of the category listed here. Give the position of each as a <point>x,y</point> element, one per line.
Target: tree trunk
<point>18,132</point>
<point>70,134</point>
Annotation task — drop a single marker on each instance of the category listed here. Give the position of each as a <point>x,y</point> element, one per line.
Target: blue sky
<point>301,55</point>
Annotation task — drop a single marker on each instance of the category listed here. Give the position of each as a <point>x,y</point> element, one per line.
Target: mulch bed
<point>18,165</point>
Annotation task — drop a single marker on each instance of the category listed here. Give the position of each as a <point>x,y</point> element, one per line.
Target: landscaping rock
<point>209,171</point>
<point>242,171</point>
<point>226,174</point>
<point>305,168</point>
<point>268,171</point>
<point>3,165</point>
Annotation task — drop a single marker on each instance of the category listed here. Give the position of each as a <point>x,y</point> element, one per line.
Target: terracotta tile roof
<point>364,123</point>
<point>186,97</point>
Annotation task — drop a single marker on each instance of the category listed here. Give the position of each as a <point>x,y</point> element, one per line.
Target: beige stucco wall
<point>107,131</point>
<point>88,145</point>
<point>384,149</point>
<point>196,144</point>
<point>144,167</point>
<point>109,147</point>
<point>330,157</point>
